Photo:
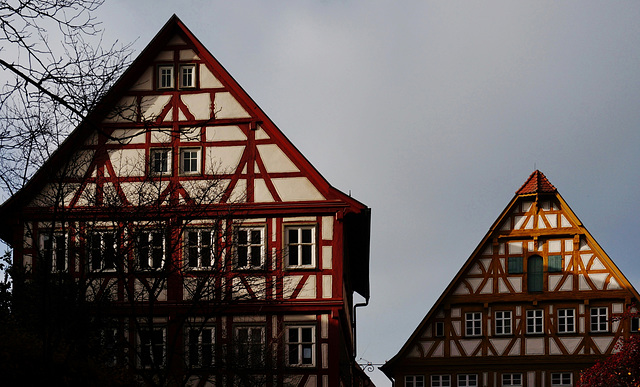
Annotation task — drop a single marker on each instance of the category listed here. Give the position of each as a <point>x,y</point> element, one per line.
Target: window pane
<point>306,255</point>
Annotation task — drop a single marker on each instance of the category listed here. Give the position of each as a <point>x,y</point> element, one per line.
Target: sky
<point>433,114</point>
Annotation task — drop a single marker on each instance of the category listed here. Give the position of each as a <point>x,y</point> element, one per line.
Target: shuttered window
<point>534,273</point>
<point>515,265</point>
<point>555,263</point>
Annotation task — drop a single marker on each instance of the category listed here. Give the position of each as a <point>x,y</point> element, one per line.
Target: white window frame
<point>467,380</point>
<point>563,379</point>
<point>149,259</point>
<point>634,325</point>
<point>200,248</point>
<point>512,380</point>
<point>301,346</point>
<point>414,381</point>
<point>166,77</point>
<point>440,380</point>
<point>566,320</point>
<point>53,261</point>
<point>189,151</point>
<point>473,324</point>
<point>251,352</point>
<point>503,322</point>
<point>599,319</point>
<point>535,321</point>
<point>191,77</point>
<point>152,161</point>
<point>103,249</point>
<point>300,246</point>
<point>199,340</point>
<point>247,247</point>
<point>151,346</point>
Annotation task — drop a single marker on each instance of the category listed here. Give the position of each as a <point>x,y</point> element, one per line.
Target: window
<point>414,381</point>
<point>151,343</point>
<point>599,320</point>
<point>111,344</point>
<point>635,324</point>
<point>250,346</point>
<point>200,248</point>
<point>301,246</point>
<point>555,264</point>
<point>534,274</point>
<point>165,77</point>
<point>535,322</point>
<point>439,329</point>
<point>503,323</point>
<point>160,161</point>
<point>440,380</point>
<point>512,380</point>
<point>188,76</point>
<point>249,247</point>
<point>515,265</point>
<point>200,347</point>
<point>301,346</point>
<point>473,324</point>
<point>561,379</point>
<point>151,249</point>
<point>53,247</point>
<point>566,321</point>
<point>189,161</point>
<point>102,250</point>
<point>468,380</point>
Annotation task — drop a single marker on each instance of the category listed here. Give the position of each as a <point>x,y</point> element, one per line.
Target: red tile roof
<point>536,183</point>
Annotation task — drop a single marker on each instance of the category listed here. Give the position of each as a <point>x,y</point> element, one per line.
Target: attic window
<point>187,76</point>
<point>165,77</point>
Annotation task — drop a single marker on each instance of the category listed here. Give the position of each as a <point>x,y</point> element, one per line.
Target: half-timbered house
<point>221,254</point>
<point>532,306</point>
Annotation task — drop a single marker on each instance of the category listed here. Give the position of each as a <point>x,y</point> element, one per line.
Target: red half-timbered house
<point>532,306</point>
<point>224,256</point>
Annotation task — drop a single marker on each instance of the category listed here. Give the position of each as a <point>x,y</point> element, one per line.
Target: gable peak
<point>536,183</point>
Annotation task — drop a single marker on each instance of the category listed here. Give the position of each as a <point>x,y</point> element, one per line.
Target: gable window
<point>635,324</point>
<point>512,380</point>
<point>503,323</point>
<point>473,324</point>
<point>249,247</point>
<point>515,265</point>
<point>151,249</point>
<point>566,321</point>
<point>555,264</point>
<point>200,347</point>
<point>102,251</point>
<point>561,379</point>
<point>599,320</point>
<point>160,161</point>
<point>534,273</point>
<point>468,380</point>
<point>54,251</point>
<point>301,246</point>
<point>165,77</point>
<point>535,321</point>
<point>188,76</point>
<point>200,248</point>
<point>152,344</point>
<point>301,346</point>
<point>414,381</point>
<point>439,329</point>
<point>250,346</point>
<point>440,380</point>
<point>189,161</point>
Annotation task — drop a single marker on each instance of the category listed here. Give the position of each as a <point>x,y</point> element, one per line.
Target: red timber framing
<point>532,306</point>
<point>183,204</point>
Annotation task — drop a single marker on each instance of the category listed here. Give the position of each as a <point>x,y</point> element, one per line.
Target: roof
<point>536,183</point>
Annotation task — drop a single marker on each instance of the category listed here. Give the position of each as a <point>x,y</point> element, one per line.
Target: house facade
<point>218,253</point>
<point>532,306</point>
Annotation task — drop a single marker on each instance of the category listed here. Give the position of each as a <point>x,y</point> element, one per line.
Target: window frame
<point>161,77</point>
<point>103,248</point>
<point>301,345</point>
<point>564,321</point>
<point>151,249</point>
<point>198,161</point>
<point>634,324</point>
<point>157,150</point>
<point>199,246</point>
<point>439,329</point>
<point>467,380</point>
<point>248,350</point>
<point>537,328</point>
<point>414,381</point>
<point>249,245</point>
<point>602,319</point>
<point>506,323</point>
<point>473,324</point>
<point>184,66</point>
<point>443,380</point>
<point>511,379</point>
<point>300,244</point>
<point>199,346</point>
<point>559,379</point>
<point>50,255</point>
<point>151,346</point>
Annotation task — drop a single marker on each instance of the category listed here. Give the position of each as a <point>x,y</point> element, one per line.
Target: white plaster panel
<point>226,106</point>
<point>261,193</point>
<point>506,226</point>
<point>616,308</point>
<point>296,189</point>
<point>529,225</point>
<point>534,346</point>
<point>475,268</point>
<point>312,381</point>
<point>308,289</point>
<point>515,350</point>
<point>324,326</point>
<point>299,219</point>
<point>455,312</point>
<point>597,264</point>
<point>275,160</point>
<point>475,283</point>
<point>502,287</point>
<point>568,245</point>
<point>552,219</point>
<point>151,106</point>
<point>515,247</point>
<point>145,82</point>
<point>188,55</point>
<point>453,349</point>
<point>223,159</point>
<point>190,134</point>
<point>225,133</point>
<point>127,162</point>
<point>584,246</point>
<point>439,351</point>
<point>585,259</point>
<point>199,105</point>
<point>239,192</point>
<point>516,283</point>
<point>545,205</point>
<point>325,355</point>
<point>602,343</point>
<point>598,279</point>
<point>501,249</point>
<point>469,346</point>
<point>127,136</point>
<point>526,205</point>
<point>205,190</point>
<point>486,263</point>
<point>564,222</point>
<point>125,111</point>
<point>161,136</point>
<point>553,281</point>
<point>207,79</point>
<point>327,228</point>
<point>541,224</point>
<point>582,283</point>
<point>502,262</point>
<point>456,327</point>
<point>80,163</point>
<point>290,283</point>
<point>553,347</point>
<point>304,317</point>
<point>488,250</point>
<point>519,221</point>
<point>531,246</point>
<point>570,343</point>
<point>499,345</point>
<point>327,283</point>
<point>488,287</point>
<point>327,257</point>
<point>555,246</point>
<point>165,56</point>
<point>169,116</point>
<point>426,346</point>
<point>531,378</point>
<point>613,284</point>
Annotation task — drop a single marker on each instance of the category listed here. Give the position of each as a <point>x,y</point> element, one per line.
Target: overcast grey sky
<point>434,114</point>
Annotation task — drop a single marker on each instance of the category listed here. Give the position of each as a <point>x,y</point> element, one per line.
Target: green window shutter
<point>555,263</point>
<point>534,273</point>
<point>515,265</point>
